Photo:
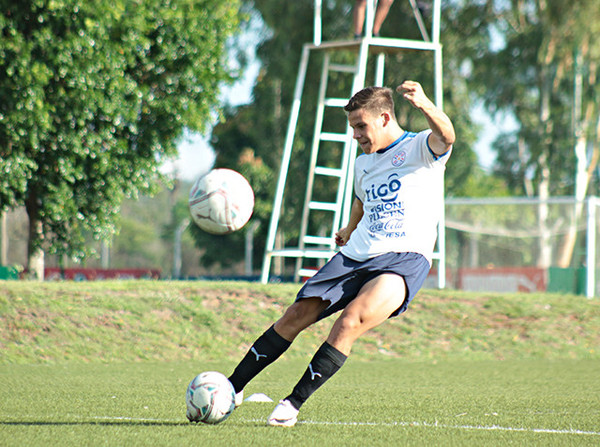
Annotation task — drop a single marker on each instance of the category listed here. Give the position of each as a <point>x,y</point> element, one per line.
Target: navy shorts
<point>340,280</point>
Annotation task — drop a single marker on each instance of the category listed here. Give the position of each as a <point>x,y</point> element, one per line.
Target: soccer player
<point>386,248</point>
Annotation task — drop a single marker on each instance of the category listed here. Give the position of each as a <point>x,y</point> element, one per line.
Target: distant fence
<point>498,279</point>
<point>513,279</point>
<point>509,244</point>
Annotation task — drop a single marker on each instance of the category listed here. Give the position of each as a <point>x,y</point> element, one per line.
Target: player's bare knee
<point>298,317</point>
<point>349,324</point>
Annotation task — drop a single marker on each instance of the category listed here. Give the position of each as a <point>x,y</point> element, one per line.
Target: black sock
<point>325,363</point>
<point>265,350</point>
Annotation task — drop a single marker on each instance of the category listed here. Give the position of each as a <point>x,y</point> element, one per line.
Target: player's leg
<point>306,310</point>
<point>358,17</point>
<point>299,316</point>
<point>275,341</point>
<point>374,304</point>
<point>383,7</point>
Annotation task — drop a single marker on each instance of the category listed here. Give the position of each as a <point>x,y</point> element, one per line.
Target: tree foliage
<point>543,71</point>
<point>94,97</point>
<point>530,74</point>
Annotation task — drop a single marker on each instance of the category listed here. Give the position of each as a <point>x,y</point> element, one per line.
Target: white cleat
<point>239,398</point>
<point>284,415</point>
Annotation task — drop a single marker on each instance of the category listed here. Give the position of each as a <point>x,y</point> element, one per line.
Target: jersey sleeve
<point>428,156</point>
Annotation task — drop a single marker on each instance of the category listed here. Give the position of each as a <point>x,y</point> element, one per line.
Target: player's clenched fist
<point>414,94</point>
<point>342,236</point>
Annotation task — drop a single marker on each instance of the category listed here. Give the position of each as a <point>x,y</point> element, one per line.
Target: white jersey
<point>402,191</point>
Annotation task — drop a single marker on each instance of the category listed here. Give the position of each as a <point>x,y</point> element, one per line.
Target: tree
<point>94,97</point>
<point>548,48</point>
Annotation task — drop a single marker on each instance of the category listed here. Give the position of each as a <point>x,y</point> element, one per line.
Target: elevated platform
<point>377,45</point>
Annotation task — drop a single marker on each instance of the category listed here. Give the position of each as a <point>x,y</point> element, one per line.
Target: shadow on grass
<point>124,422</point>
<point>91,422</point>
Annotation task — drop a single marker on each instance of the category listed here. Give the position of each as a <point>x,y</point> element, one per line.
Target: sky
<point>490,129</point>
<point>196,157</point>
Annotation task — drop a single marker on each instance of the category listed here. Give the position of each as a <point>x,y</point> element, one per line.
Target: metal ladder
<point>318,246</point>
<point>311,245</point>
<point>341,173</point>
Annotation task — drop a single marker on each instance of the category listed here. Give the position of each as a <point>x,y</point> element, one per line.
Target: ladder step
<point>303,253</point>
<point>342,68</point>
<point>307,273</point>
<point>331,172</point>
<point>317,240</point>
<point>331,136</point>
<point>335,102</point>
<point>323,206</point>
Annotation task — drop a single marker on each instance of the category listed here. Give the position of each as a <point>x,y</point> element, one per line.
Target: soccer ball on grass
<point>210,398</point>
<point>221,201</point>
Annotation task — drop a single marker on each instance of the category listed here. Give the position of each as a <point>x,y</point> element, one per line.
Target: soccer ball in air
<point>210,398</point>
<point>221,201</point>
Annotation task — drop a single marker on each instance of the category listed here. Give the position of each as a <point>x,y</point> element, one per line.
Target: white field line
<point>388,424</point>
<point>458,427</point>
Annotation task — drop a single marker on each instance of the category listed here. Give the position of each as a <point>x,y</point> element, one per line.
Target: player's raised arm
<point>442,131</point>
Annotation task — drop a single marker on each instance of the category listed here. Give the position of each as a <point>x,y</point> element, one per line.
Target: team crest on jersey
<point>399,158</point>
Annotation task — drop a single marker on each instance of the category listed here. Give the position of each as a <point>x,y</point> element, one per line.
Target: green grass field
<point>107,364</point>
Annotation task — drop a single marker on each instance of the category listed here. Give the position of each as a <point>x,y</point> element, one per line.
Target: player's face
<point>368,130</point>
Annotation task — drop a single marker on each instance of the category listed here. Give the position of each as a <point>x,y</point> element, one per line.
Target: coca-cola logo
<point>390,225</point>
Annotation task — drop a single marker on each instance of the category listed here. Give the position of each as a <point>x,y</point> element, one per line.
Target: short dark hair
<point>375,100</point>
